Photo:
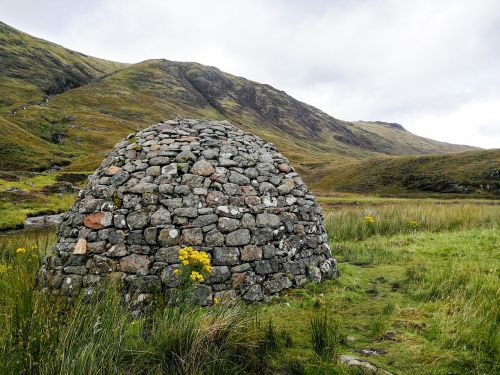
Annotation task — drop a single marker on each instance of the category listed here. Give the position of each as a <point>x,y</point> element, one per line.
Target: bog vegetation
<point>418,293</point>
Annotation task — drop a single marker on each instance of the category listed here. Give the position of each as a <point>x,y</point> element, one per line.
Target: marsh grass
<point>468,294</point>
<point>42,333</point>
<point>349,224</point>
<point>435,289</point>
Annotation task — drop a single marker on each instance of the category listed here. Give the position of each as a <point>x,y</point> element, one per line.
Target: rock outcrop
<point>204,184</point>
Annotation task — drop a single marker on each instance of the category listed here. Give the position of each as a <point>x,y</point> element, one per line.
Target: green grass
<point>427,301</point>
<point>389,220</point>
<point>30,183</point>
<point>14,207</point>
<point>390,303</point>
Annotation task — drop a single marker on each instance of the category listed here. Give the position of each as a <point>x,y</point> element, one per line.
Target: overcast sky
<point>432,66</point>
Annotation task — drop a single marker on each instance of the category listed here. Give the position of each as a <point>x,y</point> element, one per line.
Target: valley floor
<point>419,293</point>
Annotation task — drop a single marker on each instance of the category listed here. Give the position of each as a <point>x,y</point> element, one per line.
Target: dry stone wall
<point>204,184</point>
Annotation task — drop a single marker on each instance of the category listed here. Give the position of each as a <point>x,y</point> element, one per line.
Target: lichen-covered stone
<point>192,183</point>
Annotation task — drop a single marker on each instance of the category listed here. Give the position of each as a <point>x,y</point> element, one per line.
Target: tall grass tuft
<point>325,336</point>
<point>189,340</point>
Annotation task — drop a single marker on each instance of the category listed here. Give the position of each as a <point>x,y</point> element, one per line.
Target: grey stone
<point>241,268</point>
<point>143,187</point>
<point>254,294</point>
<point>78,270</point>
<point>219,274</point>
<point>192,236</point>
<point>137,220</point>
<point>250,253</point>
<point>263,267</point>
<point>227,224</point>
<point>71,284</point>
<point>203,220</point>
<point>151,235</point>
<point>118,250</point>
<point>229,211</point>
<point>169,278</point>
<point>232,189</point>
<point>202,295</point>
<point>120,178</point>
<point>186,211</point>
<point>251,173</point>
<point>247,221</point>
<point>202,168</point>
<point>161,217</point>
<point>268,220</point>
<point>193,181</point>
<point>262,236</point>
<point>226,256</point>
<point>170,169</point>
<point>159,160</point>
<point>227,162</point>
<point>238,178</point>
<point>216,198</point>
<point>214,238</point>
<point>145,284</point>
<point>91,280</point>
<point>169,236</point>
<point>314,274</point>
<point>153,171</point>
<point>277,283</point>
<point>238,237</point>
<point>182,190</point>
<point>133,262</point>
<point>210,153</point>
<point>96,247</point>
<point>186,157</point>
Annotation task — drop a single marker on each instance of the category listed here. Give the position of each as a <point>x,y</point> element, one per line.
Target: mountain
<point>46,66</point>
<point>456,173</point>
<point>68,109</point>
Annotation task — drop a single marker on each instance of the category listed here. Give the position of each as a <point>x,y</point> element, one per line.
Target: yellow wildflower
<point>369,219</point>
<point>196,276</point>
<point>413,224</point>
<point>207,268</point>
<point>177,271</point>
<point>195,258</point>
<point>216,301</point>
<point>20,250</point>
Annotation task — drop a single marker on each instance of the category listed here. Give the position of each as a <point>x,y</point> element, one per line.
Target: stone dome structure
<point>205,184</point>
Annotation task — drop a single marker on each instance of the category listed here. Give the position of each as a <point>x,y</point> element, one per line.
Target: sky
<point>432,66</point>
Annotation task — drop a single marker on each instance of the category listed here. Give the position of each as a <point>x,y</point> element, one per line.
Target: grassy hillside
<point>51,68</point>
<point>458,173</point>
<point>93,103</point>
<point>93,117</point>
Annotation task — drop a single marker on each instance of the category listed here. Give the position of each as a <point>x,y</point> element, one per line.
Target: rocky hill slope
<point>60,107</point>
